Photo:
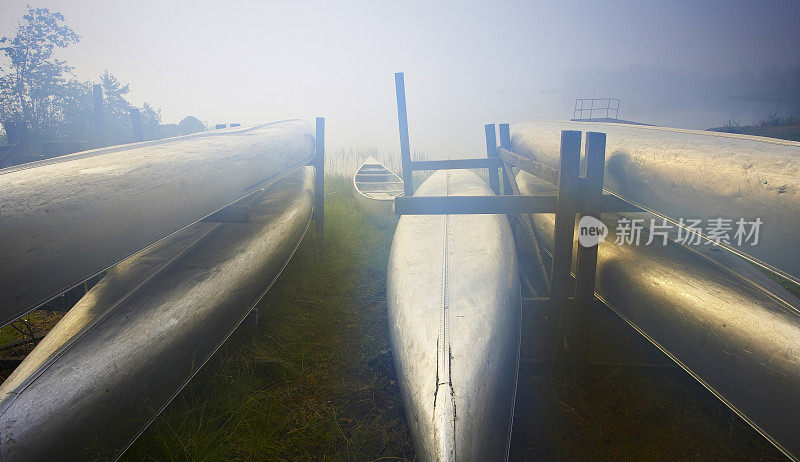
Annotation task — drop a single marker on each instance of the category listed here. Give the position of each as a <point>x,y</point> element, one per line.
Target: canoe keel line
<point>454,314</point>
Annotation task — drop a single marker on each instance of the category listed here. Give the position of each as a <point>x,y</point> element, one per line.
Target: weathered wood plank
<point>539,169</point>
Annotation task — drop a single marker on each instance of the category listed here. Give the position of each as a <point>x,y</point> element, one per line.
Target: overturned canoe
<point>106,370</point>
<point>738,339</point>
<point>375,188</point>
<point>454,317</point>
<point>66,219</point>
<point>689,174</point>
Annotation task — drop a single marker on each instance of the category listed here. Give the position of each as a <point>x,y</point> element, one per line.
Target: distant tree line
<point>42,104</point>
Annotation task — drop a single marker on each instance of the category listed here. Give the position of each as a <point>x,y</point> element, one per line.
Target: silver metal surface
<point>454,318</point>
<point>64,219</point>
<point>695,174</point>
<point>736,338</point>
<point>375,188</point>
<point>105,371</point>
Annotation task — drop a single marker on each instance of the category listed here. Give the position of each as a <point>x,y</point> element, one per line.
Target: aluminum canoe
<point>736,337</point>
<point>65,219</point>
<point>118,357</point>
<point>689,174</point>
<point>454,319</point>
<point>375,188</point>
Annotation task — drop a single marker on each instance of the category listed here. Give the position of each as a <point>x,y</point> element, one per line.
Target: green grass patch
<point>35,323</point>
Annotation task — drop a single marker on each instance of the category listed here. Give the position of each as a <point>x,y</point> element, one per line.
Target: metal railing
<point>603,107</point>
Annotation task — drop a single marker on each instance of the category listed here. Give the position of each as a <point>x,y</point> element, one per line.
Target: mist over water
<point>682,64</point>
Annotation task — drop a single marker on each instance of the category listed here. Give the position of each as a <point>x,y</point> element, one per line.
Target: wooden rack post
<point>402,121</point>
<point>561,285</point>
<point>564,300</point>
<point>319,175</point>
<point>491,152</point>
<point>586,268</point>
<point>505,143</point>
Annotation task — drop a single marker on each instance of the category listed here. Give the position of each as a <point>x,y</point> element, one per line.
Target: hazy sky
<point>466,63</point>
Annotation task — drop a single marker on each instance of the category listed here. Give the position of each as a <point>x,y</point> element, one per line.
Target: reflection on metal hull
<point>736,339</point>
<point>133,341</point>
<point>694,174</point>
<point>454,316</point>
<point>63,220</point>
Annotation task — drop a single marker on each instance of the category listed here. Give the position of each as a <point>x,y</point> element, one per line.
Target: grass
<point>35,325</point>
<point>648,409</point>
<point>313,379</point>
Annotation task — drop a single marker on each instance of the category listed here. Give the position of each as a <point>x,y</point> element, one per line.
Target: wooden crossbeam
<point>459,205</point>
<point>534,167</point>
<point>505,205</point>
<point>611,202</point>
<point>456,164</point>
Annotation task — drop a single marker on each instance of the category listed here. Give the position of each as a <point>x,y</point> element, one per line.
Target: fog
<point>684,64</point>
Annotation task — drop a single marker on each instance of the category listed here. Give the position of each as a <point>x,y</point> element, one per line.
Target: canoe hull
<point>129,346</point>
<point>68,218</point>
<point>377,209</point>
<point>454,315</point>
<point>738,340</point>
<point>692,174</point>
<point>375,187</point>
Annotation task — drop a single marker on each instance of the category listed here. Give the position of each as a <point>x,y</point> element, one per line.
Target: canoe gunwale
<point>140,144</point>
